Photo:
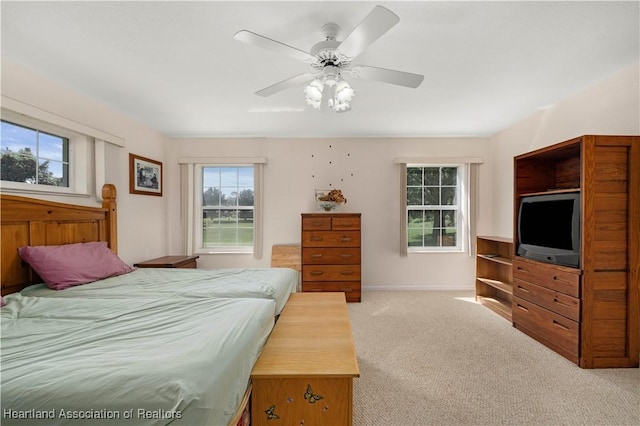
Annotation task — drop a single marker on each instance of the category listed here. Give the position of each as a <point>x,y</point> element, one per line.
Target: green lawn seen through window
<point>228,232</point>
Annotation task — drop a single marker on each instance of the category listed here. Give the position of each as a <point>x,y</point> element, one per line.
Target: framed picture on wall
<point>145,176</point>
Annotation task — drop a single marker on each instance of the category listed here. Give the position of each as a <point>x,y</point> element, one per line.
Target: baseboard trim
<point>417,288</point>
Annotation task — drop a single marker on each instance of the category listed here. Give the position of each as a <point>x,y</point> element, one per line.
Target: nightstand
<point>188,262</point>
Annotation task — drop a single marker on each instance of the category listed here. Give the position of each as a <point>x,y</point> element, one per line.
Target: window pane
<point>449,196</point>
<point>449,175</point>
<point>34,157</point>
<point>431,196</point>
<point>432,176</point>
<point>211,196</point>
<point>431,238</point>
<point>414,196</point>
<point>245,197</point>
<point>228,188</point>
<point>245,177</point>
<point>434,222</point>
<point>415,238</point>
<point>245,236</point>
<point>16,137</point>
<point>416,219</point>
<point>414,176</point>
<point>50,147</point>
<point>448,237</point>
<point>432,217</point>
<point>449,218</point>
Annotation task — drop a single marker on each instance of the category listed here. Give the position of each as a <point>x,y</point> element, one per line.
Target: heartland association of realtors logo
<point>91,414</point>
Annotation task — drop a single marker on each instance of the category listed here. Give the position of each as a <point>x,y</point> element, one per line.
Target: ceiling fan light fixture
<point>330,57</point>
<point>340,94</point>
<point>342,98</point>
<point>344,92</point>
<point>313,93</point>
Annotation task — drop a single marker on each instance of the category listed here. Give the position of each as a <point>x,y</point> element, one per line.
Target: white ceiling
<point>176,67</point>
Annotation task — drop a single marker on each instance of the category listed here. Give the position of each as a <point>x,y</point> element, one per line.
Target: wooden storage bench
<point>305,372</point>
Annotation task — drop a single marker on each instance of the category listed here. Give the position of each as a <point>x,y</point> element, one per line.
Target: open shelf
<point>494,274</point>
<point>504,287</point>
<point>552,191</point>
<point>501,307</point>
<point>494,258</point>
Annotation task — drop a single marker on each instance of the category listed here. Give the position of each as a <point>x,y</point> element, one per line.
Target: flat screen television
<point>549,228</point>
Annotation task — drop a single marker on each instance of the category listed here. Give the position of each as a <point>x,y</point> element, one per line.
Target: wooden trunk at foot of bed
<point>32,222</point>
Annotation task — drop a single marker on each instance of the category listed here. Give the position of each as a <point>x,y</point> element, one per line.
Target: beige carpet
<point>438,358</point>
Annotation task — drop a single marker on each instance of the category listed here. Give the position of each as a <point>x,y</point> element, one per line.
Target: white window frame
<point>459,207</point>
<point>191,201</point>
<point>79,145</point>
<point>198,219</point>
<point>468,198</point>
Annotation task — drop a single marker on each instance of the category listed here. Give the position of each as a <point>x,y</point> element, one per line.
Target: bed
<point>265,283</point>
<point>173,346</point>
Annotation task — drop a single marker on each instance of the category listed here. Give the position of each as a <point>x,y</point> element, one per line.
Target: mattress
<point>184,361</point>
<point>263,283</point>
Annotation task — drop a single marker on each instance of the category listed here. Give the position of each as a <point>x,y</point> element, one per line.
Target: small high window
<point>33,156</point>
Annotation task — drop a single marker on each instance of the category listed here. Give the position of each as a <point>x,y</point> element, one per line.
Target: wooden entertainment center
<point>587,314</point>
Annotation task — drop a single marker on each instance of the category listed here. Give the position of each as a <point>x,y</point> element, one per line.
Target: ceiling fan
<point>331,59</point>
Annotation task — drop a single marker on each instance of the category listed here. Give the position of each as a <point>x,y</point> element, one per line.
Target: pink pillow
<point>73,264</point>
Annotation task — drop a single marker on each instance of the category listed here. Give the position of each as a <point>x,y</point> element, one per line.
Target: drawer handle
<point>316,255</point>
<point>346,256</point>
<point>316,238</point>
<point>520,268</point>
<point>315,289</point>
<point>317,273</point>
<point>346,239</point>
<point>561,280</point>
<point>524,290</point>
<point>316,224</point>
<point>346,272</point>
<point>522,307</point>
<point>562,326</point>
<point>561,303</point>
<point>346,289</point>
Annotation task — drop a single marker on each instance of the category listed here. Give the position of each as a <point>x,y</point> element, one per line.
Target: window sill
<point>41,191</point>
<point>205,251</point>
<point>430,251</point>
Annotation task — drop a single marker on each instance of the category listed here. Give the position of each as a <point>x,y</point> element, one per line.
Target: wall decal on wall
<point>330,167</point>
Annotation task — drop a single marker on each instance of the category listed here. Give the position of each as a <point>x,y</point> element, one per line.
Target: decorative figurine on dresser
<point>331,253</point>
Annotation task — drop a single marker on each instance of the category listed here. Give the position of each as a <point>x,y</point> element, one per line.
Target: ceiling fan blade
<point>267,43</point>
<point>285,84</point>
<point>384,75</point>
<point>376,23</point>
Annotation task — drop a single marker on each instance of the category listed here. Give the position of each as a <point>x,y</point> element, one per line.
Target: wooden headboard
<point>32,222</point>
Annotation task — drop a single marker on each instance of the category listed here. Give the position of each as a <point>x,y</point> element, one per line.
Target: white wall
<point>363,169</point>
<point>611,107</point>
<point>142,219</point>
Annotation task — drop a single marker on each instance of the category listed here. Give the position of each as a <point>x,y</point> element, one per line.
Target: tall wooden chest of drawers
<point>331,253</point>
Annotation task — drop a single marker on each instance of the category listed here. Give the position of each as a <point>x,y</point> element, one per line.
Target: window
<point>221,206</point>
<point>40,156</point>
<point>33,156</point>
<point>433,207</point>
<point>227,206</point>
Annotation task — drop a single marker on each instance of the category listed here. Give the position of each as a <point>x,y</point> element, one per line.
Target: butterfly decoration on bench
<point>270,413</point>
<point>311,396</point>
